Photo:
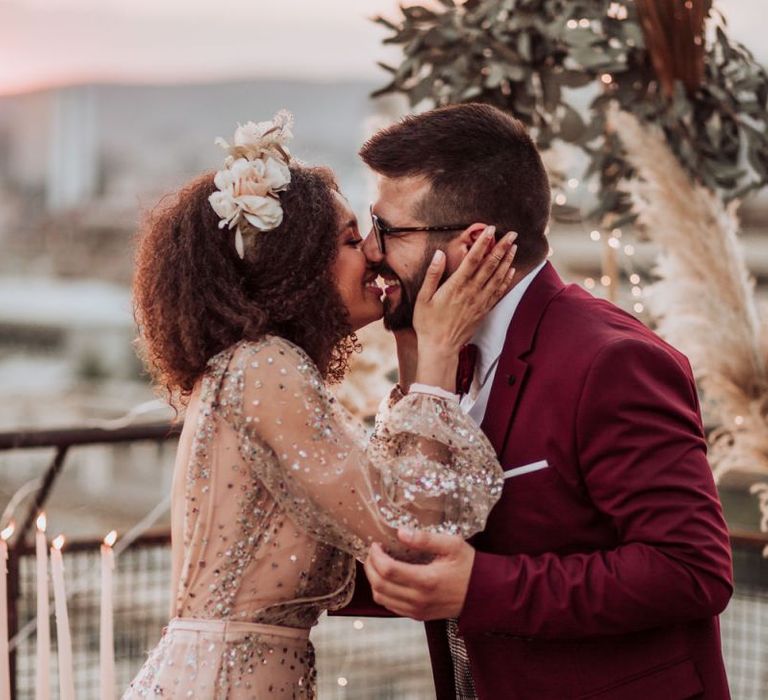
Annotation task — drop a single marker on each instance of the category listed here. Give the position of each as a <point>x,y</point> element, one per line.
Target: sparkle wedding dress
<point>275,493</point>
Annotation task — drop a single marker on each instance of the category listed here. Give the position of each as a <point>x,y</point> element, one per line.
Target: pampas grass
<point>704,300</point>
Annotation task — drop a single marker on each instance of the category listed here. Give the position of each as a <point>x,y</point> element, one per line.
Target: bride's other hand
<point>446,316</point>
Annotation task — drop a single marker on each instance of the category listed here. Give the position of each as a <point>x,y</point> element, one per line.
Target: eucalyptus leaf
<point>574,78</point>
<point>418,13</point>
<point>571,125</point>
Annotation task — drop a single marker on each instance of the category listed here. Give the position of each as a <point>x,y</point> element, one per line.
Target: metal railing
<point>20,547</point>
<point>356,658</point>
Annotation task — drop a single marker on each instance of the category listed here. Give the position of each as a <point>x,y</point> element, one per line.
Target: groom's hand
<point>431,591</point>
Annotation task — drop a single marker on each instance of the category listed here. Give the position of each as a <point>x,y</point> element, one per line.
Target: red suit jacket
<point>602,575</point>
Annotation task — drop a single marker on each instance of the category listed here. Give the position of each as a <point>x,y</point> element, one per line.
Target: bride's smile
<point>355,278</point>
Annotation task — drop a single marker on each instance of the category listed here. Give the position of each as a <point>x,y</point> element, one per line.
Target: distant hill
<point>158,135</point>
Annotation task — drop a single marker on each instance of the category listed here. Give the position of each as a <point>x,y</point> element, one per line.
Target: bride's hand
<point>446,317</point>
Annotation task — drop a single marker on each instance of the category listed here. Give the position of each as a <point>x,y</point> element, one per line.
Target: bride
<point>248,290</point>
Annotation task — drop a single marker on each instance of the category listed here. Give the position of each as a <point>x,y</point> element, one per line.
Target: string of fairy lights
<point>622,251</point>
<point>614,238</point>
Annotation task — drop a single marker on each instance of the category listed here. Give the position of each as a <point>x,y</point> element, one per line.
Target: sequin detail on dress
<point>275,494</point>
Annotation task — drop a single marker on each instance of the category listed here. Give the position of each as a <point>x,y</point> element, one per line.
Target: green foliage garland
<point>524,55</point>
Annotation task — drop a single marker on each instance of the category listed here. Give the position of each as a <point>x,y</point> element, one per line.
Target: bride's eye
<point>355,242</point>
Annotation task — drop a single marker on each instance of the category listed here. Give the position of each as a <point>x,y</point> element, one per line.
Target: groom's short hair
<point>482,166</point>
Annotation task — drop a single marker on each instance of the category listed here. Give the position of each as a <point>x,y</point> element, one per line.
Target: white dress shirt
<point>489,339</point>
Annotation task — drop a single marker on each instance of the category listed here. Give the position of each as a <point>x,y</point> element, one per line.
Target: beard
<point>400,317</point>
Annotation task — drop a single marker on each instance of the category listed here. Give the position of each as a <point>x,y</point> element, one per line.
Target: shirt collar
<point>492,332</point>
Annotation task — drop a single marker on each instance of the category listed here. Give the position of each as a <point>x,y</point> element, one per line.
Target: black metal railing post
<point>51,474</point>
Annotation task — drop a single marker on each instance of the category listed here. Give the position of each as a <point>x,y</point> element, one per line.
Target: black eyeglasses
<point>380,230</point>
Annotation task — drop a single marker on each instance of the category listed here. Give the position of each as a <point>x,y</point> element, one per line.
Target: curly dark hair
<point>194,297</point>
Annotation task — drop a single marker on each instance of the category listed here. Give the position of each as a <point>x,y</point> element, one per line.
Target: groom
<point>605,563</point>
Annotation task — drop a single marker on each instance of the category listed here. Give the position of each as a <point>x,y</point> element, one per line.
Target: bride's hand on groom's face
<point>433,591</point>
<point>446,316</point>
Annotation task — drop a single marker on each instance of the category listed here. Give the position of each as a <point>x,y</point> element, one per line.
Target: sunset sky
<point>51,42</point>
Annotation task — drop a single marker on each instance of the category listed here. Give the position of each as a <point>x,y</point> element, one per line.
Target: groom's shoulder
<point>589,317</point>
<point>585,326</point>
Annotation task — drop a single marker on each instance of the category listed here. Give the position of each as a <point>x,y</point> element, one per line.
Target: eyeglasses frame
<point>380,231</point>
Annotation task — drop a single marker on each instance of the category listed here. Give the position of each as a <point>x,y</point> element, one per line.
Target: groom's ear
<point>468,236</point>
<point>460,245</point>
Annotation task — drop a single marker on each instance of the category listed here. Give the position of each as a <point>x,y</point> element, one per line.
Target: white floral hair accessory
<point>255,170</point>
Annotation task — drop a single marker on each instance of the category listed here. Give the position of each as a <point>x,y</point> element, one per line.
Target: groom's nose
<point>371,250</point>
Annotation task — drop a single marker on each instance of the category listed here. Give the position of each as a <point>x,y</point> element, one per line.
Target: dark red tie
<point>466,369</point>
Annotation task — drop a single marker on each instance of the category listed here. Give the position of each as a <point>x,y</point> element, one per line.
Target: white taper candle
<point>63,636</point>
<point>106,637</point>
<point>43,658</point>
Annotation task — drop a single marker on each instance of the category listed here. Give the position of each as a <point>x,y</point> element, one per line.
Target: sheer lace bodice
<point>276,491</point>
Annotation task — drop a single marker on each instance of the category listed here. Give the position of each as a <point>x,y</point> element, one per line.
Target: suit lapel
<point>513,370</point>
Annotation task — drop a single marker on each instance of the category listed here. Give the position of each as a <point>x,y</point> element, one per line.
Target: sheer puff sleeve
<point>427,465</point>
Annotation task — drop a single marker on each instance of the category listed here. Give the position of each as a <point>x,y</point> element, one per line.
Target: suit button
<point>511,379</point>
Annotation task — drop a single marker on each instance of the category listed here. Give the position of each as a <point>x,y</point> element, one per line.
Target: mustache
<point>386,271</point>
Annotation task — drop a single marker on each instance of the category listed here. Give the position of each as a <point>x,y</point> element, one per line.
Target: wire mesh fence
<point>356,658</point>
<point>360,659</point>
<point>744,626</point>
<point>141,600</point>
